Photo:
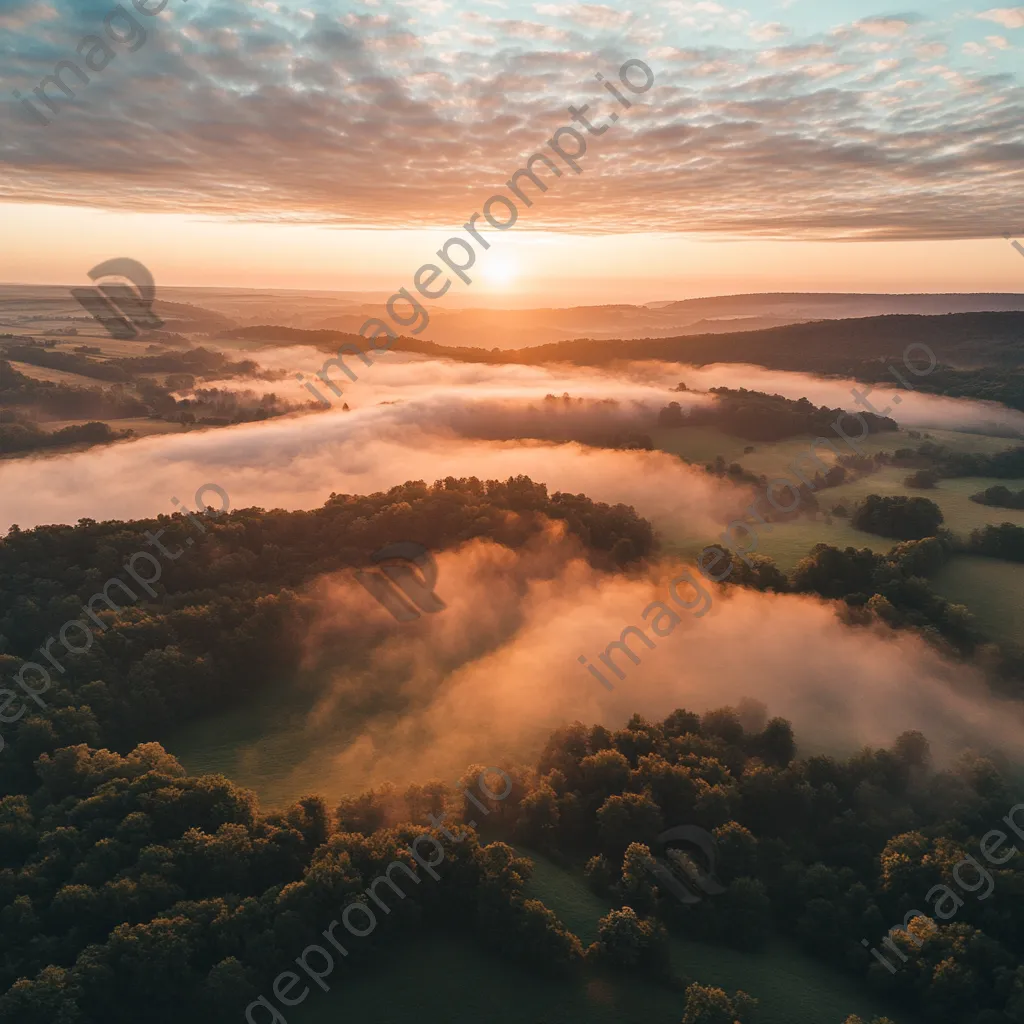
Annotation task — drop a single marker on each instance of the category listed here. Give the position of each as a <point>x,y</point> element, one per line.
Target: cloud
<point>1008,17</point>
<point>590,15</point>
<point>398,119</point>
<point>886,26</point>
<point>770,32</point>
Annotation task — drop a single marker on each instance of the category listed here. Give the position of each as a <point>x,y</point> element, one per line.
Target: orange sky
<point>521,267</point>
<point>336,147</point>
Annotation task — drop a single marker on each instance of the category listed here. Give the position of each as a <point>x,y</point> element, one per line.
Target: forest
<point>26,437</point>
<point>132,890</point>
<point>757,416</point>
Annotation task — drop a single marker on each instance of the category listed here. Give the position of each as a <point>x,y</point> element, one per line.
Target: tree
<point>707,1005</point>
<point>748,914</point>
<point>898,516</point>
<point>923,479</point>
<point>629,818</point>
<point>624,940</point>
<point>636,887</point>
<point>598,874</point>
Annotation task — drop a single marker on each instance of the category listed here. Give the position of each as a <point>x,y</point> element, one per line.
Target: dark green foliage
<point>898,516</point>
<point>944,462</point>
<point>1005,541</point>
<point>130,891</point>
<point>25,437</point>
<point>140,893</point>
<point>1000,497</point>
<point>890,586</point>
<point>762,417</point>
<point>625,940</point>
<point>826,851</point>
<point>922,479</point>
<point>708,1005</point>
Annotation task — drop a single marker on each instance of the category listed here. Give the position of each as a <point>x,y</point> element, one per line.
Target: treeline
<point>1005,541</point>
<point>757,416</point>
<point>894,587</point>
<point>999,496</point>
<point>198,360</point>
<point>230,614</point>
<point>862,348</point>
<point>132,891</point>
<point>27,437</point>
<point>23,399</point>
<point>1007,464</point>
<point>20,393</point>
<point>824,850</point>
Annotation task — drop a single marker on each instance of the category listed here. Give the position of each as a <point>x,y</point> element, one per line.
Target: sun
<point>500,270</point>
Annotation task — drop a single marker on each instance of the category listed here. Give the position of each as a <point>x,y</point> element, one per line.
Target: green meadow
<point>991,589</point>
<point>702,444</point>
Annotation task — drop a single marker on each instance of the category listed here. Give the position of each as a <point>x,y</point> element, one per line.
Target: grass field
<point>56,376</point>
<point>142,425</point>
<point>702,444</point>
<point>991,589</point>
<point>789,542</point>
<point>417,981</point>
<point>952,496</point>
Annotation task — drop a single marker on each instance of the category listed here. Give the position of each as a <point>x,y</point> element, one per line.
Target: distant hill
<point>981,354</point>
<point>723,314</point>
<point>521,328</point>
<point>843,305</point>
<point>964,340</point>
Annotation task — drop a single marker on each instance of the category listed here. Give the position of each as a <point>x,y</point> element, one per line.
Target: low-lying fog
<point>487,678</point>
<point>414,418</point>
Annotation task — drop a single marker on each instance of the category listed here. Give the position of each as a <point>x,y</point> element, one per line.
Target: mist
<point>488,678</point>
<point>412,418</point>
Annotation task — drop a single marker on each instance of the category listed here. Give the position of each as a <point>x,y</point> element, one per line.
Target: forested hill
<point>826,346</point>
<point>980,355</point>
<point>228,617</point>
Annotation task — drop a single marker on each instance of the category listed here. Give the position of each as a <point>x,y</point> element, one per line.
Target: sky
<point>773,146</point>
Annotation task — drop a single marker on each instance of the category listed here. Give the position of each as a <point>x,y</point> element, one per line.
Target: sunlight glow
<point>501,270</point>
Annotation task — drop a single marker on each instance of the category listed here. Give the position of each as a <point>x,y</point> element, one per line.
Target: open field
<point>56,376</point>
<point>991,589</point>
<point>702,444</point>
<point>952,496</point>
<point>789,542</point>
<point>142,425</point>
